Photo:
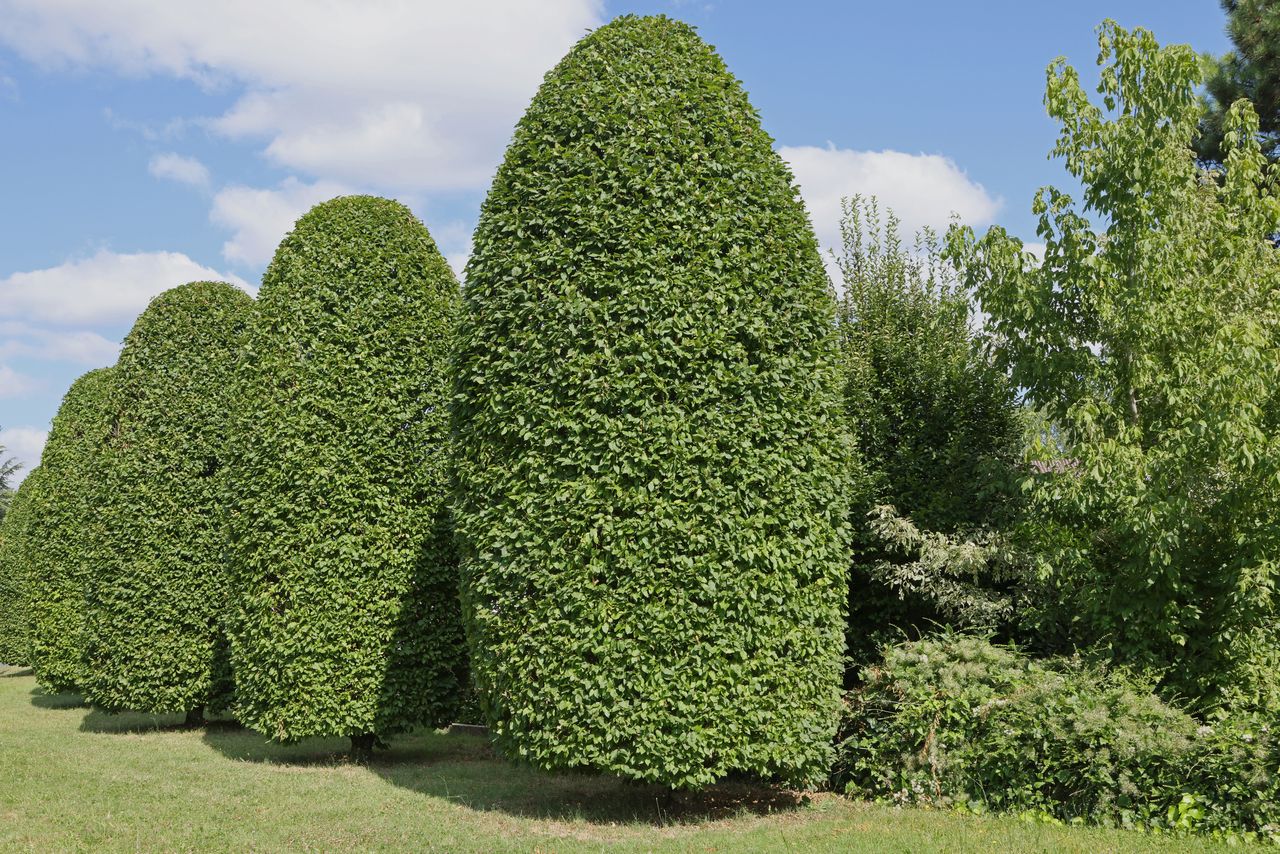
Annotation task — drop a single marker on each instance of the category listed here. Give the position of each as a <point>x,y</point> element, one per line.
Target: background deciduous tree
<point>939,432</point>
<point>1149,336</point>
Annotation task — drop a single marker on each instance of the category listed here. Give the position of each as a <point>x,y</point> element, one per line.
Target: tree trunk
<point>362,747</point>
<point>195,717</point>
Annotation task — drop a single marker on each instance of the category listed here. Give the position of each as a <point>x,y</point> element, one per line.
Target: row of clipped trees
<point>616,466</point>
<point>249,508</point>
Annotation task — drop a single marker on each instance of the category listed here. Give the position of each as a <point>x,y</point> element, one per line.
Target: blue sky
<point>147,143</point>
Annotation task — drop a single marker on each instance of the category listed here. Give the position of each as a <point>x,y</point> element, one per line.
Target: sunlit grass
<point>72,778</point>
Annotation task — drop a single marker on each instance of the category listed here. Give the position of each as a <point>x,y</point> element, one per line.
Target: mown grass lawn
<point>76,779</point>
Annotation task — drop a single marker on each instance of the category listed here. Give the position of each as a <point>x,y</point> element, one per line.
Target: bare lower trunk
<point>362,747</point>
<point>195,717</point>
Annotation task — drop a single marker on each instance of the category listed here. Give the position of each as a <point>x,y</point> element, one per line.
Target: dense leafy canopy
<point>15,574</point>
<point>157,578</point>
<point>1152,344</point>
<point>346,617</point>
<point>939,435</point>
<point>64,527</point>
<point>651,459</point>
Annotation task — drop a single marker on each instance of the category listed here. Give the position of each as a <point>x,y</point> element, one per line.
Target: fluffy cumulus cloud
<point>175,167</point>
<point>52,322</point>
<point>922,189</point>
<point>76,346</point>
<point>384,93</point>
<point>23,444</point>
<point>105,288</point>
<point>259,218</point>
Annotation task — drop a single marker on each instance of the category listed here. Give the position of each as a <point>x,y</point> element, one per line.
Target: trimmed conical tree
<point>648,442</point>
<point>15,574</point>
<point>157,580</point>
<point>63,529</point>
<point>347,620</point>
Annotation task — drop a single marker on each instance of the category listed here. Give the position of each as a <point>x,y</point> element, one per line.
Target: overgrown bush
<point>955,721</point>
<point>65,523</point>
<point>939,433</point>
<point>651,459</point>
<point>346,619</point>
<point>157,582</point>
<point>15,574</point>
<point>1232,777</point>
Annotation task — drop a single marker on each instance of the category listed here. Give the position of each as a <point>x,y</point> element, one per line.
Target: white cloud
<point>458,263</point>
<point>12,383</point>
<point>260,218</point>
<point>81,347</point>
<point>175,167</point>
<point>107,287</point>
<point>922,189</point>
<point>453,239</point>
<point>389,93</point>
<point>25,445</point>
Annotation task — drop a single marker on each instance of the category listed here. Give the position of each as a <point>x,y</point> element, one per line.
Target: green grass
<point>75,779</point>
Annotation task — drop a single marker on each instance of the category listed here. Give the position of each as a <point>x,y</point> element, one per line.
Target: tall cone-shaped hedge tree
<point>15,575</point>
<point>648,441</point>
<point>157,582</point>
<point>347,619</point>
<point>63,529</point>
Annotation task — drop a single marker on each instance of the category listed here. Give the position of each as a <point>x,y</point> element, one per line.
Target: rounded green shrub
<point>650,458</point>
<point>157,578</point>
<point>64,527</point>
<point>15,574</point>
<point>347,619</point>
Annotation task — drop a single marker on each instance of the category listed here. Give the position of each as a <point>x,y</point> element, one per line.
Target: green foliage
<point>1251,71</point>
<point>1152,346</point>
<point>651,460</point>
<point>346,619</point>
<point>955,721</point>
<point>15,573</point>
<point>8,468</point>
<point>1233,777</point>
<point>939,433</point>
<point>969,583</point>
<point>63,529</point>
<point>157,581</point>
<point>938,425</point>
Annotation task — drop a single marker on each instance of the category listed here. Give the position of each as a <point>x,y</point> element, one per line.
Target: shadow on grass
<point>98,721</point>
<point>42,699</point>
<point>8,671</point>
<point>465,770</point>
